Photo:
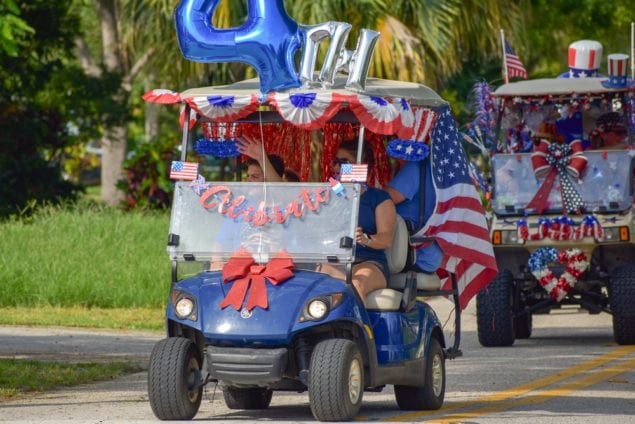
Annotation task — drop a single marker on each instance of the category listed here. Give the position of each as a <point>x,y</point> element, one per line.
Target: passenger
<point>405,192</point>
<point>260,167</point>
<point>610,132</point>
<point>376,223</point>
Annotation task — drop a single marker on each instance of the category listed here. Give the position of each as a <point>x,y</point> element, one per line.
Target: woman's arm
<point>253,148</point>
<point>385,217</point>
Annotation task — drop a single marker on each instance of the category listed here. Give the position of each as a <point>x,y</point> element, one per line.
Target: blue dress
<point>369,201</point>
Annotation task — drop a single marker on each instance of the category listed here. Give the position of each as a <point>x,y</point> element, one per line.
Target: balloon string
<point>264,174</point>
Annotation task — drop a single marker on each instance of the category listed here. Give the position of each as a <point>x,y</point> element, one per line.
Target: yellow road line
<point>524,388</point>
<point>578,384</point>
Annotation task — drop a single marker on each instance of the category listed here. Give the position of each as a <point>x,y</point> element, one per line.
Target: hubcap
<point>193,377</point>
<point>437,375</point>
<point>354,381</point>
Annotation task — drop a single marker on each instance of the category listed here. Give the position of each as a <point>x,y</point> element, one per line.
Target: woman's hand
<point>361,237</point>
<point>251,147</point>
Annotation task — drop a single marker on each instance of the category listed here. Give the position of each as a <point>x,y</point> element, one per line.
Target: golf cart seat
<point>400,257</point>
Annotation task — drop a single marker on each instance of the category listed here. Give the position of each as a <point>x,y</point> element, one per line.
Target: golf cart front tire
<point>174,379</point>
<point>336,380</point>
<point>495,312</point>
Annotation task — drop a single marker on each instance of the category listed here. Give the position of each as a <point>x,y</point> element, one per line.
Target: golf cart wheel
<point>523,325</point>
<point>336,380</point>
<point>431,395</point>
<point>495,312</point>
<point>621,300</point>
<point>174,379</point>
<point>247,398</point>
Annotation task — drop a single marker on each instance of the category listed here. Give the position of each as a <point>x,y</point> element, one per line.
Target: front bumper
<point>247,366</point>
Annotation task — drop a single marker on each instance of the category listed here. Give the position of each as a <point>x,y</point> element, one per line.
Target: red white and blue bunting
<point>224,108</point>
<point>310,110</point>
<point>306,110</point>
<point>561,228</point>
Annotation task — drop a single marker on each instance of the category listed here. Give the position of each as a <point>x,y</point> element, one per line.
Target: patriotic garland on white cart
<point>576,263</point>
<point>561,228</point>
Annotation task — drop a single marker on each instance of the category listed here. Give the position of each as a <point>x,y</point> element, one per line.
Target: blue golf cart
<point>250,311</point>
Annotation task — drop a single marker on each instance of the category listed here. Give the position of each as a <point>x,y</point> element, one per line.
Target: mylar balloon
<point>267,40</point>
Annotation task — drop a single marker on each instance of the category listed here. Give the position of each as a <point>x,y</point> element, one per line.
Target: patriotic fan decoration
<point>306,110</point>
<point>224,108</point>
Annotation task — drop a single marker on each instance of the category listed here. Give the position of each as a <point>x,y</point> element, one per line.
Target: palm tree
<point>424,41</point>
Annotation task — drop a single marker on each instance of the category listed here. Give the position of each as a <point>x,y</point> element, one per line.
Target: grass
<point>86,256</point>
<point>21,376</point>
<point>74,316</point>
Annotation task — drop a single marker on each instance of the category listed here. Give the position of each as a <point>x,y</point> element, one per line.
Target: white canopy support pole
<point>360,143</point>
<point>505,75</point>
<point>186,132</point>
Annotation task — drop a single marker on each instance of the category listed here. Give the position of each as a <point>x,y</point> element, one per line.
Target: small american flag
<point>458,223</point>
<point>353,172</point>
<point>515,67</point>
<point>183,170</point>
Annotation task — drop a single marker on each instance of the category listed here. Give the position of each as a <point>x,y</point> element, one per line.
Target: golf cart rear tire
<point>621,300</point>
<point>336,380</point>
<point>247,398</point>
<point>430,396</point>
<point>495,312</point>
<point>174,388</point>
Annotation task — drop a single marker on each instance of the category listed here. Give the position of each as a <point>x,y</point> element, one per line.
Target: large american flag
<point>515,67</point>
<point>458,223</point>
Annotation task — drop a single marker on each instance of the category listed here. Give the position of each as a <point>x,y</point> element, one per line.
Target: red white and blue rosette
<point>411,144</point>
<point>575,262</point>
<point>224,108</point>
<point>308,110</point>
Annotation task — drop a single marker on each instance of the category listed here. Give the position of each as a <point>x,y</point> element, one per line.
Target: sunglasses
<point>339,161</point>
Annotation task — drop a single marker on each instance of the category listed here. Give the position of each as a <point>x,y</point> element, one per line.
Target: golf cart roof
<point>555,87</point>
<point>416,94</point>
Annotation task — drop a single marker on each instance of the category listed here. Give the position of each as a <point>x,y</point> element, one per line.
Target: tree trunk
<point>115,139</point>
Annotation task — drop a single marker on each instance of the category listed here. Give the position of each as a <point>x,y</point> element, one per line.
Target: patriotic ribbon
<point>247,275</point>
<point>576,263</point>
<point>562,160</point>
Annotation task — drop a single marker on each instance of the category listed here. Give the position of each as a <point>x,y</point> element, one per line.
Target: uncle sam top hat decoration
<point>617,67</point>
<point>584,59</point>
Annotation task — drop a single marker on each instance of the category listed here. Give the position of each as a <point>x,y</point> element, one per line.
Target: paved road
<point>570,370</point>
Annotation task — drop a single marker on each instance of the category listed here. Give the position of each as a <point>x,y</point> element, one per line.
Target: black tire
<point>621,300</point>
<point>336,380</point>
<point>247,398</point>
<point>174,374</point>
<point>430,396</point>
<point>523,325</point>
<point>495,312</point>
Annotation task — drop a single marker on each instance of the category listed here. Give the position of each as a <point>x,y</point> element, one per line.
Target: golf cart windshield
<point>605,184</point>
<point>308,221</point>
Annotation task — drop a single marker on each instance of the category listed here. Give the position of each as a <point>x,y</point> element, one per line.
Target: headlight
<point>184,307</point>
<point>317,309</point>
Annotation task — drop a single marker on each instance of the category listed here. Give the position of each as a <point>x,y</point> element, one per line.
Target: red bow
<point>246,272</point>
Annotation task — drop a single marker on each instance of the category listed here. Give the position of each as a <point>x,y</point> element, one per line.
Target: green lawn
<point>21,376</point>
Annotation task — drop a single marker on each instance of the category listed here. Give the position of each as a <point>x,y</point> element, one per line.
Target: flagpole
<point>632,50</point>
<point>505,75</point>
